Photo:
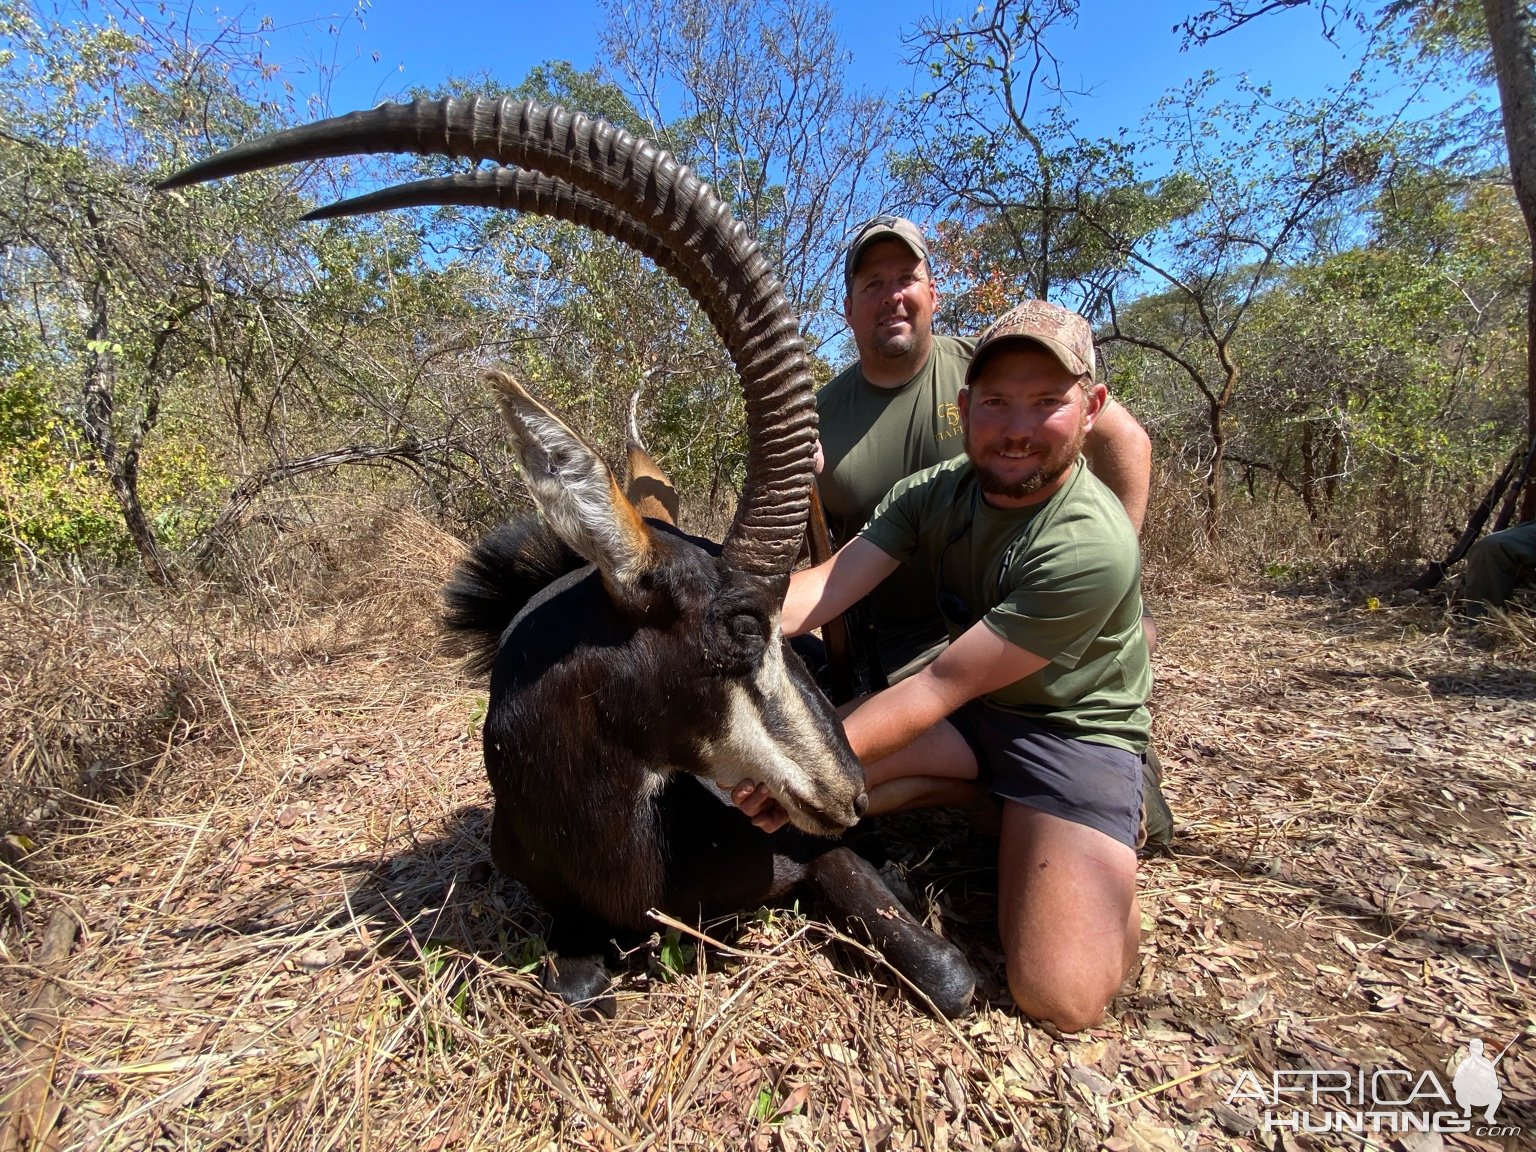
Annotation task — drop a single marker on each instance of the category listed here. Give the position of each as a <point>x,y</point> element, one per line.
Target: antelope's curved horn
<point>655,190</point>
<point>519,190</point>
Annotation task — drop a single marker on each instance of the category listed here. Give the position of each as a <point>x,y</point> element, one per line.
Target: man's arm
<point>832,587</point>
<point>1119,452</point>
<point>978,662</point>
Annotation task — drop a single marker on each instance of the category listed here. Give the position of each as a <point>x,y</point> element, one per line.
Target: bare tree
<point>762,111</point>
<point>995,148</point>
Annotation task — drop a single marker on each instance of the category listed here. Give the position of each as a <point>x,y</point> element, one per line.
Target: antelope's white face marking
<point>777,740</point>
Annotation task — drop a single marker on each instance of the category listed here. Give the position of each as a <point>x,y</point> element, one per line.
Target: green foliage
<point>676,956</point>
<point>762,1107</point>
<point>1334,304</point>
<point>54,499</point>
<point>184,339</point>
<point>477,712</point>
<point>49,500</point>
<point>560,82</point>
<point>526,955</point>
<point>766,1109</point>
<point>1381,382</point>
<point>1443,29</point>
<point>182,485</point>
<point>192,340</point>
<point>103,275</point>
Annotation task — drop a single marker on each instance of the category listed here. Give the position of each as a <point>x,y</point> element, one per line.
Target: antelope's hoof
<point>582,982</point>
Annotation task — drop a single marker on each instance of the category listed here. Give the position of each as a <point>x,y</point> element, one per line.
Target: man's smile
<point>1020,452</point>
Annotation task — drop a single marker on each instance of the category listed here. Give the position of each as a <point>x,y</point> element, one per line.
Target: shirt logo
<point>948,421</point>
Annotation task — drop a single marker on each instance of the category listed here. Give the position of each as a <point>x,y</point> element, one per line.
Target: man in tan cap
<point>1041,691</point>
<point>895,411</point>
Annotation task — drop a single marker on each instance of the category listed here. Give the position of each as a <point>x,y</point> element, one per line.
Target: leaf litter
<point>268,841</point>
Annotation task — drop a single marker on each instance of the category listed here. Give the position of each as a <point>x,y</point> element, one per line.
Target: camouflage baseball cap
<point>883,227</point>
<point>1060,331</point>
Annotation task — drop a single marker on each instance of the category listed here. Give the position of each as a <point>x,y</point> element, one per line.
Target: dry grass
<point>289,936</point>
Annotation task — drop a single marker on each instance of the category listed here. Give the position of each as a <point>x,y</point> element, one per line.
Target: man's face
<point>1025,419</point>
<point>890,302</point>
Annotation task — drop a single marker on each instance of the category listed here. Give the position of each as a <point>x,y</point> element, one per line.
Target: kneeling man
<point>1042,691</point>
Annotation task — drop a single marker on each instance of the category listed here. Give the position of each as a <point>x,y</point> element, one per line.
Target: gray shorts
<point>1097,785</point>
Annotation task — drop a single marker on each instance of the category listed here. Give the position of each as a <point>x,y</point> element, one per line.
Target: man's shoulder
<point>948,360</point>
<point>957,347</point>
<point>847,378</point>
<point>914,504</point>
<point>1087,490</point>
<point>840,386</point>
<point>1088,519</point>
<point>946,474</point>
<point>938,482</point>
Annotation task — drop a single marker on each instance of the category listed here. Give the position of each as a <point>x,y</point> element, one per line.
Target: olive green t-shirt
<point>871,438</point>
<point>1061,579</point>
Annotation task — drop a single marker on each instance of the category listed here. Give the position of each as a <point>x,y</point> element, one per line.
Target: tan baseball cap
<point>1060,331</point>
<point>883,227</point>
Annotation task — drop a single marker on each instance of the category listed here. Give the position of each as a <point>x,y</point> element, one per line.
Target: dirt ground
<point>278,927</point>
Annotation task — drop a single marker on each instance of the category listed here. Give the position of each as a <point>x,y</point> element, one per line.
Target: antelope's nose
<point>860,804</point>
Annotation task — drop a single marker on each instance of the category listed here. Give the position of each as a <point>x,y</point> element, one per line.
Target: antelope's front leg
<point>939,969</point>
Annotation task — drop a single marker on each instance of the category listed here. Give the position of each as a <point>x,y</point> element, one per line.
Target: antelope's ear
<point>649,489</point>
<point>575,490</point>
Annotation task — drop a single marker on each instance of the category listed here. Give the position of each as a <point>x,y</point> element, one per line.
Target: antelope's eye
<point>748,629</point>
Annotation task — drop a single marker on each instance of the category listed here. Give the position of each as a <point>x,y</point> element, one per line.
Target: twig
<point>31,1116</point>
<point>662,918</point>
<point>1175,1082</point>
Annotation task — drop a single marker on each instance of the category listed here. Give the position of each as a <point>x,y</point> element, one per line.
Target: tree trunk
<point>1213,484</point>
<point>1309,474</point>
<point>1218,412</point>
<point>122,468</point>
<point>1528,507</point>
<point>1513,39</point>
<point>1335,464</point>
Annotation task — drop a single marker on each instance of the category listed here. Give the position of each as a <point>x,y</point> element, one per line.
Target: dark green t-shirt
<point>871,438</point>
<point>1061,579</point>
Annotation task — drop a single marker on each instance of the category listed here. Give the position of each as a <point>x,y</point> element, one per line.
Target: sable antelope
<point>632,667</point>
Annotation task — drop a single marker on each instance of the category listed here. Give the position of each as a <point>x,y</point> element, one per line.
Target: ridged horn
<point>519,190</point>
<point>655,190</point>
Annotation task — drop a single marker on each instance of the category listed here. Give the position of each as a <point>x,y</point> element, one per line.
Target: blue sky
<point>1123,51</point>
<point>1124,54</point>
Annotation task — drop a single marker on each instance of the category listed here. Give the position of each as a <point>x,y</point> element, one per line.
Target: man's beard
<point>897,346</point>
<point>994,483</point>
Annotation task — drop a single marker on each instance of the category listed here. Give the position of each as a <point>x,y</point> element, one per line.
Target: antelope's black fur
<point>597,842</point>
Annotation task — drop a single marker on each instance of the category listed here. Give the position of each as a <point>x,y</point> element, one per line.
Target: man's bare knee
<point>1067,911</point>
<point>1072,997</point>
<point>1069,1009</point>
